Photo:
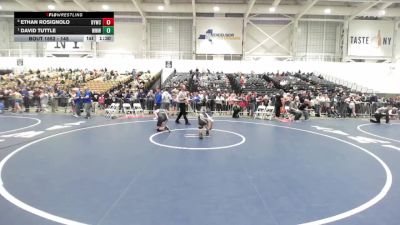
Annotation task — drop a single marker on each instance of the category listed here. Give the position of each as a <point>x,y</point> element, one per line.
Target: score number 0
<point>108,21</point>
<point>108,25</point>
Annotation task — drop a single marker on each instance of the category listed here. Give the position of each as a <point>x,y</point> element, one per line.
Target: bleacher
<point>175,79</point>
<point>100,85</point>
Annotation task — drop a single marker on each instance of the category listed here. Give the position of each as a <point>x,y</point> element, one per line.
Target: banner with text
<point>371,38</point>
<point>219,36</point>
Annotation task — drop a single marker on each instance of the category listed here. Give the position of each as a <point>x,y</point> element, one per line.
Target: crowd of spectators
<point>252,90</point>
<point>215,91</point>
<point>42,90</point>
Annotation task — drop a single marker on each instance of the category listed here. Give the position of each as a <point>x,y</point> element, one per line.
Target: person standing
<point>52,100</point>
<point>142,96</point>
<point>36,99</point>
<point>212,98</point>
<point>87,102</point>
<point>150,101</point>
<point>218,102</point>
<point>166,99</point>
<point>17,101</point>
<point>252,103</point>
<point>78,102</point>
<point>182,102</point>
<point>196,102</point>
<point>158,99</point>
<point>278,104</point>
<point>25,94</point>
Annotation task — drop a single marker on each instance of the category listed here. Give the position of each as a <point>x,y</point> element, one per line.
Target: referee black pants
<point>182,112</point>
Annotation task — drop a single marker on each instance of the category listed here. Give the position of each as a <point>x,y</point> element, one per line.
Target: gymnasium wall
<point>127,41</point>
<point>10,48</point>
<point>172,39</point>
<point>398,43</point>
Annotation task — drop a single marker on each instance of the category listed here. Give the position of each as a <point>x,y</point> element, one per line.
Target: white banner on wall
<point>370,38</point>
<point>67,46</point>
<point>219,36</point>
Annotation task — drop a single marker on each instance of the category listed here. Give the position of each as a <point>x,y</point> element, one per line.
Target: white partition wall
<point>4,36</point>
<point>128,39</point>
<point>257,32</point>
<point>318,41</point>
<point>169,38</point>
<point>78,49</point>
<point>397,43</point>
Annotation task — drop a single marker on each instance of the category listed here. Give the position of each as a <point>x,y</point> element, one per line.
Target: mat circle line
<point>22,128</point>
<point>243,140</point>
<point>9,197</point>
<point>375,135</point>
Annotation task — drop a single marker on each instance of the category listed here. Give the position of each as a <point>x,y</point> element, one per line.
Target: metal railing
<point>63,104</point>
<point>320,57</point>
<point>21,53</point>
<point>187,55</point>
<point>352,85</point>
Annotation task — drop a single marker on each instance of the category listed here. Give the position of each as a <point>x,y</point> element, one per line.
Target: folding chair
<point>137,109</point>
<point>260,112</point>
<point>269,112</point>
<point>112,110</point>
<point>126,107</point>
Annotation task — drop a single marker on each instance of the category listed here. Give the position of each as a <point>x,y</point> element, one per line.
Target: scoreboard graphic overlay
<point>63,26</point>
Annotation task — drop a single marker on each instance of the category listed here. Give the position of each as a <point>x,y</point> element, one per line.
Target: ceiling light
<point>327,11</point>
<point>272,9</point>
<point>105,7</point>
<point>1,7</point>
<point>160,7</point>
<point>51,7</point>
<point>382,12</point>
<point>216,9</point>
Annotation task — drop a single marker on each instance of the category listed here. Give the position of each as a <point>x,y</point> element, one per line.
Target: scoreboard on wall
<point>63,26</point>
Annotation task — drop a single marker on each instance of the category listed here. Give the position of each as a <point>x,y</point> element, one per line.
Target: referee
<point>182,101</point>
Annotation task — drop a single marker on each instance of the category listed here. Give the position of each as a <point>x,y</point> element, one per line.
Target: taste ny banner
<point>219,36</point>
<point>370,38</point>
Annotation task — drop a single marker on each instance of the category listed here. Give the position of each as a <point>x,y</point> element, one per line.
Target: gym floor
<point>57,169</point>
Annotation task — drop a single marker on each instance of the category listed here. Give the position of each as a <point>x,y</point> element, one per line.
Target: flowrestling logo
<point>210,36</point>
